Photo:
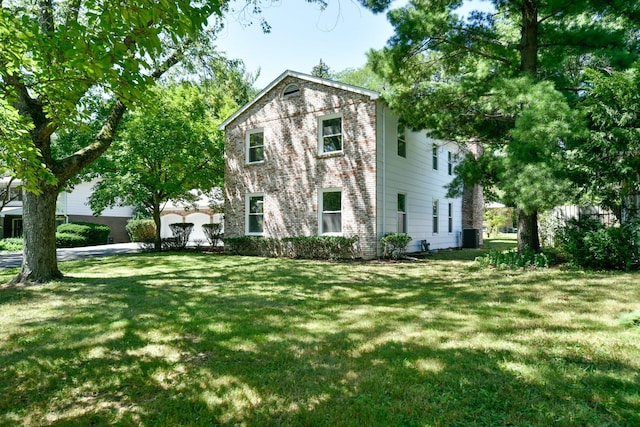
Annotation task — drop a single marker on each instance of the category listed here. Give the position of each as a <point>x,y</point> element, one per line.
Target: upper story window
<point>434,150</point>
<point>255,146</point>
<point>330,134</point>
<point>450,217</point>
<point>450,162</point>
<point>290,90</point>
<point>402,141</point>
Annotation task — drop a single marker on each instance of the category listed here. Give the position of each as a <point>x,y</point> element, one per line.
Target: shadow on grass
<point>174,339</point>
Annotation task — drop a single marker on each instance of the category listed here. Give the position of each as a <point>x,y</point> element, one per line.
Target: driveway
<point>14,259</point>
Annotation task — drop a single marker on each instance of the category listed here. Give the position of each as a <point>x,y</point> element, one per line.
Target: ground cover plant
<point>202,339</point>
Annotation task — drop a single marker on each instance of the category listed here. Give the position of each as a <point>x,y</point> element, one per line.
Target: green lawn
<point>197,339</point>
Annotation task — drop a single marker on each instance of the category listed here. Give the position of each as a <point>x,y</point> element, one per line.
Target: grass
<point>196,339</point>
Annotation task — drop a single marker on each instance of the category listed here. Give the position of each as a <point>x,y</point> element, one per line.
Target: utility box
<point>470,238</point>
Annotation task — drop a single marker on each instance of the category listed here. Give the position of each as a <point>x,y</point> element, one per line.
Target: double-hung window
<point>255,146</point>
<point>255,214</point>
<point>435,216</point>
<point>450,218</point>
<point>330,134</point>
<point>402,141</point>
<point>402,213</point>
<point>450,162</point>
<point>434,150</point>
<point>330,211</point>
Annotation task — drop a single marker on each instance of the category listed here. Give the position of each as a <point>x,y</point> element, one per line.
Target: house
<point>72,206</point>
<point>311,156</point>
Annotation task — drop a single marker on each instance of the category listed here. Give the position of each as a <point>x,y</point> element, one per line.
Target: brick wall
<point>473,198</point>
<point>293,172</point>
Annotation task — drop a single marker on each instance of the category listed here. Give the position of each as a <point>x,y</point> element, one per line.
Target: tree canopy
<point>166,150</point>
<point>56,57</point>
<point>509,78</point>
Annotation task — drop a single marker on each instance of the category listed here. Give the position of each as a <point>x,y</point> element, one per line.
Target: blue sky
<point>301,34</point>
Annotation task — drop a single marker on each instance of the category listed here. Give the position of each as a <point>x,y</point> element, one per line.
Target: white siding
<point>414,176</point>
<point>77,203</point>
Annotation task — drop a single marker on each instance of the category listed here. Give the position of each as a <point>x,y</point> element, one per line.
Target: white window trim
<point>435,158</point>
<point>321,210</point>
<point>403,139</point>
<point>320,136</point>
<point>247,148</point>
<point>247,201</point>
<point>435,221</point>
<point>406,213</point>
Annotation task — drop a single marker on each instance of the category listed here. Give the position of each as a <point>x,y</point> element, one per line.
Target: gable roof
<point>288,73</point>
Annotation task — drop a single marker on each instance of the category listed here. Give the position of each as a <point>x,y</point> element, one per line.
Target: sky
<point>302,34</point>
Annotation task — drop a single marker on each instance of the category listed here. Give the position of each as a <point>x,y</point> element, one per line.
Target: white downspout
<point>384,170</point>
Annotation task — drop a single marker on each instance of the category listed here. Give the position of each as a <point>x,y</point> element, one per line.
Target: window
<point>255,214</point>
<point>434,150</point>
<point>402,213</point>
<point>290,90</point>
<point>255,146</point>
<point>450,217</point>
<point>402,141</point>
<point>450,162</point>
<point>330,134</point>
<point>435,216</point>
<point>331,211</point>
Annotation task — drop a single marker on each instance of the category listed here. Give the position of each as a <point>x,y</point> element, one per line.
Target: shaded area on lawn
<point>184,339</point>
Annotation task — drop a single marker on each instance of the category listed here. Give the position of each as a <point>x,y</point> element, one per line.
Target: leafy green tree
<point>55,57</point>
<point>362,77</point>
<point>321,70</point>
<point>166,150</point>
<point>605,164</point>
<point>479,78</point>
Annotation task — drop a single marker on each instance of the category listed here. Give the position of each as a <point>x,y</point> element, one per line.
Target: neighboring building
<point>205,210</point>
<point>310,156</point>
<point>72,206</point>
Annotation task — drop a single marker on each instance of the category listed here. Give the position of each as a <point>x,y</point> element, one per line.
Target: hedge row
<point>305,247</point>
<point>76,234</point>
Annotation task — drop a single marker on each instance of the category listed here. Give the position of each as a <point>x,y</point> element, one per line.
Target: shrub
<point>69,240</point>
<point>305,247</point>
<point>512,259</point>
<point>141,230</point>
<point>592,245</point>
<point>181,232</point>
<point>321,247</point>
<point>93,234</point>
<point>394,245</point>
<point>213,232</point>
<point>11,244</point>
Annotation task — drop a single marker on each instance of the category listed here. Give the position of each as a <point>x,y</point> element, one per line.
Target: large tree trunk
<point>528,238</point>
<point>39,261</point>
<point>528,223</point>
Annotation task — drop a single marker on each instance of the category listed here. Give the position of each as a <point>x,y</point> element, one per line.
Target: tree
<point>166,150</point>
<point>457,76</point>
<point>54,56</point>
<point>362,77</point>
<point>605,163</point>
<point>321,70</point>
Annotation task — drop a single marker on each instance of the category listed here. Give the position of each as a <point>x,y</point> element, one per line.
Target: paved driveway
<point>15,259</point>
